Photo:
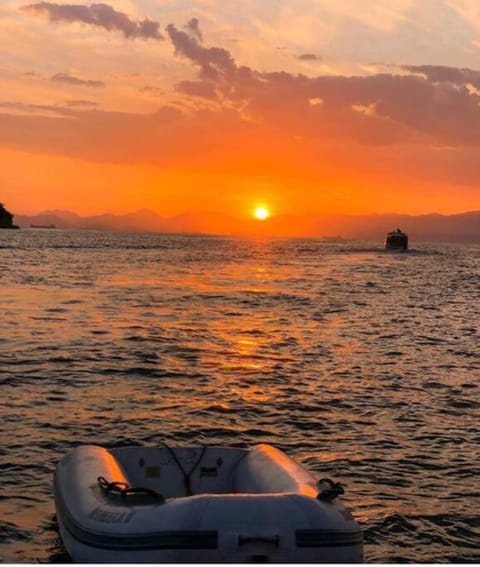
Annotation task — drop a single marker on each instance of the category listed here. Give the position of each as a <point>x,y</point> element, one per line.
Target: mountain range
<point>464,227</point>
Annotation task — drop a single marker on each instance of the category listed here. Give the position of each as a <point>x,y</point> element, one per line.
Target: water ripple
<point>363,365</point>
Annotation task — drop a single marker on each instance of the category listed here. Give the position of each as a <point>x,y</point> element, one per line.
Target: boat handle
<point>330,491</point>
<point>125,490</point>
<point>274,539</point>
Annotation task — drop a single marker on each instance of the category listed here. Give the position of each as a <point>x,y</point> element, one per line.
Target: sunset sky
<point>300,106</point>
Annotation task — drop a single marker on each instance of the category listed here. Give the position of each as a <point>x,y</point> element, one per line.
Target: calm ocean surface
<point>364,365</point>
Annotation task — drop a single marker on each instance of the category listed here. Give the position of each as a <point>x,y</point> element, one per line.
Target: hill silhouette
<point>6,218</point>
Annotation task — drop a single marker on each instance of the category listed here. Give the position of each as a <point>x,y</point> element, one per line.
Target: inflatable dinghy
<point>199,505</point>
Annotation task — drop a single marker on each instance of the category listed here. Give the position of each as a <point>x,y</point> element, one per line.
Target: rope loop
<point>187,476</point>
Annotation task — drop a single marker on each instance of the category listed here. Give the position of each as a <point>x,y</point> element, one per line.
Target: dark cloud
<point>382,108</point>
<point>441,73</point>
<point>193,27</point>
<point>430,106</point>
<point>99,15</point>
<point>70,79</point>
<point>309,57</point>
<point>214,62</point>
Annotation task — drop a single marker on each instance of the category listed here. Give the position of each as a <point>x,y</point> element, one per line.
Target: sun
<point>261,212</point>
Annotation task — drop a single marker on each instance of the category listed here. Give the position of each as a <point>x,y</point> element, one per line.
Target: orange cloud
<point>202,89</point>
<point>71,80</point>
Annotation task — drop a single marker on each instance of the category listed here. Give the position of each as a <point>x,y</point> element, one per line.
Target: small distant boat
<point>199,505</point>
<point>43,226</point>
<point>396,240</point>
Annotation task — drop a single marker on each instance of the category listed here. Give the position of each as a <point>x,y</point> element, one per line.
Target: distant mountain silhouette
<point>463,227</point>
<point>142,220</point>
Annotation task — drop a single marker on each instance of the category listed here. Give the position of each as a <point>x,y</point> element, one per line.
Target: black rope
<point>124,490</point>
<point>114,486</point>
<point>186,476</point>
<point>333,490</point>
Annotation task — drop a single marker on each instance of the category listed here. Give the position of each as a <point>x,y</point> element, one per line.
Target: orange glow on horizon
<point>222,200</point>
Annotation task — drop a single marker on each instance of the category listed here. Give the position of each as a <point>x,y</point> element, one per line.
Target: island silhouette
<point>6,218</point>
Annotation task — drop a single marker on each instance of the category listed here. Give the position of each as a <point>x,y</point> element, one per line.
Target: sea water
<point>362,364</point>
